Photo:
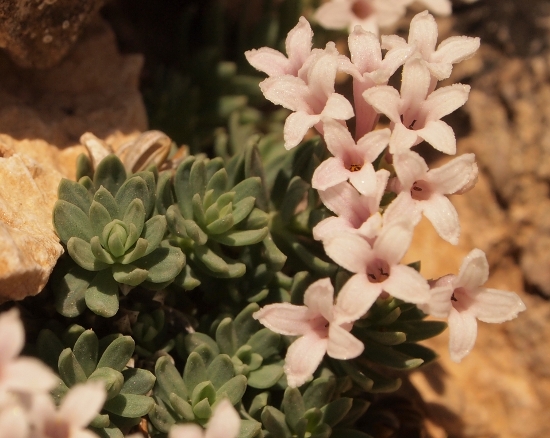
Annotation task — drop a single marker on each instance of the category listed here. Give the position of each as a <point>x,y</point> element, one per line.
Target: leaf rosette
<point>109,228</point>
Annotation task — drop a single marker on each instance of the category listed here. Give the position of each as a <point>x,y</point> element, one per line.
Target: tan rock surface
<point>42,116</point>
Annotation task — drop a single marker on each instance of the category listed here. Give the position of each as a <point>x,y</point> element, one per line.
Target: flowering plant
<point>255,287</point>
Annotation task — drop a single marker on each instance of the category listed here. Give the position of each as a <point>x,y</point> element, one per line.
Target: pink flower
<point>310,95</point>
<point>462,300</point>
<point>425,189</point>
<point>415,115</point>
<point>369,14</point>
<point>20,374</point>
<point>356,213</point>
<point>377,267</point>
<point>369,69</point>
<point>351,161</point>
<point>79,406</point>
<point>423,38</point>
<point>224,423</point>
<point>298,48</point>
<point>323,327</point>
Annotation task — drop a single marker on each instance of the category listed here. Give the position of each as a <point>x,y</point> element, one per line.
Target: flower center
<point>362,9</point>
<point>57,428</point>
<point>355,167</point>
<point>378,271</point>
<point>420,191</point>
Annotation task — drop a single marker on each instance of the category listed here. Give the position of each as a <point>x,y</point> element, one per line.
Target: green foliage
<point>110,229</point>
<point>79,356</point>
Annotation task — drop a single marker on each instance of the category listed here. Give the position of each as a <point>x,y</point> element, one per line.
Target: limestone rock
<point>42,116</point>
<point>39,33</point>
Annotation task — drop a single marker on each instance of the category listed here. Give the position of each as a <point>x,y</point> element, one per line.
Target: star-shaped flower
<point>377,267</point>
<point>414,113</point>
<point>298,48</point>
<point>351,161</point>
<point>463,300</point>
<point>425,189</point>
<point>310,95</point>
<point>323,327</point>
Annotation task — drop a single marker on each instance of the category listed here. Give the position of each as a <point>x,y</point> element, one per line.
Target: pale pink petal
<point>445,100</point>
<point>414,88</point>
<point>493,305</point>
<point>440,70</point>
<point>394,241</point>
<point>337,107</point>
<point>27,374</point>
<point>13,422</point>
<point>440,135</point>
<point>341,199</point>
<point>389,42</point>
<point>439,305</point>
<point>402,139</point>
<point>365,50</point>
<point>329,173</point>
<point>350,251</point>
<point>407,284</point>
<point>337,137</point>
<point>334,15</point>
<point>285,318</point>
<point>12,335</point>
<point>186,431</point>
<point>403,208</point>
<point>394,59</point>
<point>296,126</point>
<point>423,33</point>
<point>372,227</point>
<point>303,357</point>
<point>474,270</point>
<point>321,71</point>
<point>82,403</point>
<point>462,334</point>
<point>373,143</point>
<point>410,167</point>
<point>438,7</point>
<point>298,43</point>
<point>354,299</point>
<point>364,180</point>
<point>319,298</point>
<point>330,227</point>
<point>455,49</point>
<point>454,175</point>
<point>268,60</point>
<point>443,216</point>
<point>225,422</point>
<point>288,91</point>
<point>342,344</point>
<point>388,12</point>
<point>384,99</point>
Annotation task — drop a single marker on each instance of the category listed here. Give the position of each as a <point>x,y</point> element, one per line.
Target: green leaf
<point>198,212</point>
<point>149,178</point>
<point>218,183</point>
<point>99,217</point>
<point>85,351</point>
<point>246,188</point>
<point>265,376</point>
<point>70,289</point>
<point>193,340</point>
<point>245,325</point>
<point>194,372</point>
<point>133,188</point>
<point>129,405</point>
<point>163,264</point>
<point>259,402</point>
<point>49,347</point>
<point>256,219</point>
<point>202,409</point>
<point>105,198</point>
<point>111,379</point>
<point>118,353</point>
<point>110,173</point>
<point>276,258</point>
<point>293,406</point>
<point>129,274</point>
<point>241,238</point>
<point>182,187</point>
<point>211,260</point>
<point>423,354</point>
<point>71,334</point>
<point>154,231</point>
<point>83,166</point>
<point>139,251</point>
<point>390,357</point>
<point>137,381</point>
<point>274,421</point>
<point>102,295</point>
<point>249,429</point>
<point>296,190</point>
<point>194,232</point>
<point>70,370</point>
<point>164,192</point>
<point>99,252</point>
<point>182,407</point>
<point>385,337</point>
<point>100,421</point>
<point>197,178</point>
<point>421,330</point>
<point>203,390</point>
<point>108,432</point>
<point>336,410</point>
<point>220,371</point>
<point>161,418</point>
<point>226,337</point>
<point>242,209</point>
<point>319,392</point>
<point>81,252</point>
<point>311,261</point>
<point>220,225</point>
<point>169,379</point>
<point>233,389</point>
<point>134,214</point>
<point>70,221</point>
<point>74,193</point>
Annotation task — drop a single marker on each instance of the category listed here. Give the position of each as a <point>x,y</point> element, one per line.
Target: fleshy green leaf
<point>102,295</point>
<point>74,193</point>
<point>118,353</point>
<point>248,187</point>
<point>241,238</point>
<point>153,232</point>
<point>105,198</point>
<point>99,252</point>
<point>220,370</point>
<point>139,251</point>
<point>194,372</point>
<point>163,264</point>
<point>265,376</point>
<point>129,405</point>
<point>111,379</point>
<point>220,225</point>
<point>293,406</point>
<point>70,289</point>
<point>134,187</point>
<point>99,217</point>
<point>336,410</point>
<point>129,274</point>
<point>81,252</point>
<point>85,351</point>
<point>70,221</point>
<point>134,214</point>
<point>110,173</point>
<point>182,407</point>
<point>49,347</point>
<point>297,188</point>
<point>169,379</point>
<point>137,381</point>
<point>70,370</point>
<point>274,421</point>
<point>319,392</point>
<point>233,389</point>
<point>218,183</point>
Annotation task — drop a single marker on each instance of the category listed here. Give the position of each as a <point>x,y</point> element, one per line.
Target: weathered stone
<point>42,116</point>
<point>38,33</point>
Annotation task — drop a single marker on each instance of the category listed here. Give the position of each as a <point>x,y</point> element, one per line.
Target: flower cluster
<point>369,235</point>
<point>26,408</point>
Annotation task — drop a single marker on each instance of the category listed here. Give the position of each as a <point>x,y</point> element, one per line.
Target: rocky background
<point>89,81</point>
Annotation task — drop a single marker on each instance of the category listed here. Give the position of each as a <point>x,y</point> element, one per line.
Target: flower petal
<point>456,49</point>
<point>298,44</point>
<point>225,422</point>
<point>439,304</point>
<point>440,135</point>
<point>365,50</point>
<point>403,208</point>
<point>402,139</point>
<point>288,91</point>
<point>186,431</point>
<point>296,126</point>
<point>334,15</point>
<point>329,173</point>
<point>445,100</point>
<point>373,143</point>
<point>303,357</point>
<point>414,88</point>
<point>331,227</point>
<point>384,99</point>
<point>27,374</point>
<point>493,305</point>
<point>342,344</point>
<point>319,298</point>
<point>341,200</point>
<point>12,336</point>
<point>394,241</point>
<point>268,60</point>
<point>423,33</point>
<point>410,167</point>
<point>443,216</point>
<point>337,137</point>
<point>82,403</point>
<point>350,251</point>
<point>285,318</point>
<point>474,271</point>
<point>454,175</point>
<point>355,298</point>
<point>337,107</point>
<point>407,284</point>
<point>364,180</point>
<point>462,334</point>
